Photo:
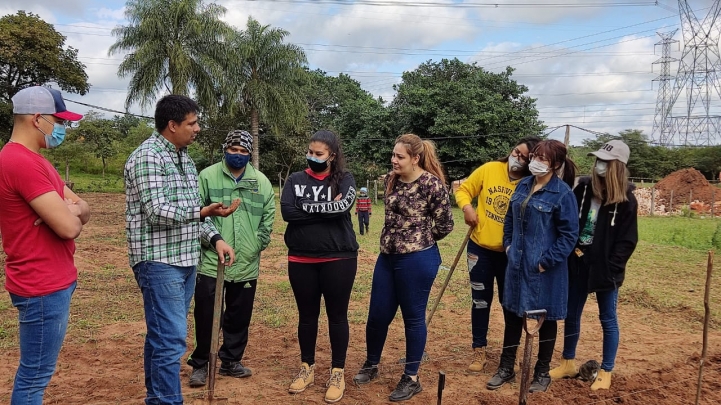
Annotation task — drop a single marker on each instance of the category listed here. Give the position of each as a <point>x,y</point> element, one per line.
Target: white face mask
<point>600,168</point>
<point>515,165</point>
<point>538,168</point>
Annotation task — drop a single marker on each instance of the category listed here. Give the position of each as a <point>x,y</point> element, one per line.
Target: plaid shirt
<point>163,205</point>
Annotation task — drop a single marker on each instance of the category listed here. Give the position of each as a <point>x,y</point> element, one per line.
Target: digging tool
<point>527,350</point>
<point>429,317</point>
<point>215,336</point>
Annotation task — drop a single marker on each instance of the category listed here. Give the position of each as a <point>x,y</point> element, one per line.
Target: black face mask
<point>316,165</point>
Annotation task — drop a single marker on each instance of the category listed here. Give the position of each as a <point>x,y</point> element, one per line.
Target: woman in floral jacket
<point>418,213</point>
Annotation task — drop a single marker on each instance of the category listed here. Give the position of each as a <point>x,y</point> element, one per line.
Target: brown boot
<point>567,369</point>
<point>479,360</point>
<point>336,386</point>
<point>303,380</point>
<point>603,380</point>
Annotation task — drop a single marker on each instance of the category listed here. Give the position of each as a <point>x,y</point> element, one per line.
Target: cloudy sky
<point>587,66</point>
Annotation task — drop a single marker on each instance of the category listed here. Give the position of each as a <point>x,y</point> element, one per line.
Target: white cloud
<point>607,89</point>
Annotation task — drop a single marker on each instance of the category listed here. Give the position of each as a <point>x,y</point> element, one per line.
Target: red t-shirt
<point>38,261</point>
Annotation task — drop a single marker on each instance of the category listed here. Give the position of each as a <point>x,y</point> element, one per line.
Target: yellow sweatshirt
<point>491,184</point>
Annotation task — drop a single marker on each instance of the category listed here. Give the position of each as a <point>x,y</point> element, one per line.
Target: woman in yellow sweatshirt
<point>492,183</point>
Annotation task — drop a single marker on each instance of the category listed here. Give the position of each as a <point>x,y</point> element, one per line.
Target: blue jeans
<point>607,305</point>
<point>167,291</point>
<point>403,280</point>
<point>42,325</point>
<point>484,266</point>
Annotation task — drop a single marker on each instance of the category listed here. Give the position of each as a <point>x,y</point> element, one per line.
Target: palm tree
<point>268,74</point>
<point>176,45</point>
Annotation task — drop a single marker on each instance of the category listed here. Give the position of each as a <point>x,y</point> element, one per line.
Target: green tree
<point>475,115</point>
<point>100,136</point>
<point>362,122</point>
<point>264,79</point>
<point>33,53</point>
<point>177,46</point>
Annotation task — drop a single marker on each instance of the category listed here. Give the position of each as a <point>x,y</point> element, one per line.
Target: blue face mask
<point>56,137</point>
<point>236,160</point>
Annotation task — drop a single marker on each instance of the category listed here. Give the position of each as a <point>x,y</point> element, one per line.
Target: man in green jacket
<point>247,230</point>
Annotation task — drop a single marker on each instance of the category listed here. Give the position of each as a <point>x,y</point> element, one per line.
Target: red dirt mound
<point>688,185</point>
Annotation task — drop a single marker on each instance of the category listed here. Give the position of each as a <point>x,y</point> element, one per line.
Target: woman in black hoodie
<point>322,255</point>
<point>607,238</point>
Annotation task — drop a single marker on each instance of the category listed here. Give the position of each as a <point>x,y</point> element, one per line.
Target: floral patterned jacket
<point>417,215</point>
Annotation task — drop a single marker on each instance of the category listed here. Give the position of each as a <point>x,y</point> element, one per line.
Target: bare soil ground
<point>101,361</point>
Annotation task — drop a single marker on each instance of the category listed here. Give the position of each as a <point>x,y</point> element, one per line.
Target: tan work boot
<point>567,369</point>
<point>479,360</point>
<point>304,379</point>
<point>336,386</point>
<point>603,380</point>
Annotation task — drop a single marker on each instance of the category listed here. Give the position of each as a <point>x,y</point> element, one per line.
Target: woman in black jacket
<point>322,255</point>
<point>607,238</point>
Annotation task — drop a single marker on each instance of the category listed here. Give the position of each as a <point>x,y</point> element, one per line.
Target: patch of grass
<point>95,183</point>
<point>691,233</point>
<point>670,280</point>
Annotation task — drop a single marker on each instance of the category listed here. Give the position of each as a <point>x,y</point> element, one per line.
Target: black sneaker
<point>366,374</point>
<point>540,382</point>
<point>503,375</point>
<point>405,389</point>
<point>199,376</point>
<point>234,369</point>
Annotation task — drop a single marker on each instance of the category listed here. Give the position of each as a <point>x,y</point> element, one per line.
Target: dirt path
<point>657,360</point>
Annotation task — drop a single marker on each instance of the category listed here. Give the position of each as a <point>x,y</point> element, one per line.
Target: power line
<point>381,3</point>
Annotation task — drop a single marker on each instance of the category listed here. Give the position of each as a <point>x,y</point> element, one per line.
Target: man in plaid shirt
<point>165,224</point>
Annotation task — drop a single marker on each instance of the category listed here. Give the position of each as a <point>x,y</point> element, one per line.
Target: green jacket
<point>248,229</point>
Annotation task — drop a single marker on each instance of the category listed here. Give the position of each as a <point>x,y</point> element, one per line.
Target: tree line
<point>252,78</point>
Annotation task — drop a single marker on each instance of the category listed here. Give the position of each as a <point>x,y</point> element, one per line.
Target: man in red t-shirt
<point>39,219</point>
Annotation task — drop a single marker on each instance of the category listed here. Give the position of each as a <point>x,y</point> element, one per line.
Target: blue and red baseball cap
<point>42,100</point>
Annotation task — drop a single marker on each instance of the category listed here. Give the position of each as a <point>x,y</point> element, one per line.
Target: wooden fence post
<point>653,200</point>
<point>375,186</point>
<point>707,316</point>
<point>670,206</point>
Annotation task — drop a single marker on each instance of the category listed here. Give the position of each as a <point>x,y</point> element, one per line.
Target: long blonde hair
<point>428,159</point>
<point>614,185</point>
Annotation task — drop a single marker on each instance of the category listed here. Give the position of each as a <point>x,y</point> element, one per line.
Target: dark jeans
<point>334,281</point>
<point>239,298</point>
<point>363,219</point>
<point>607,304</point>
<point>42,325</point>
<point>167,291</point>
<point>403,280</point>
<point>484,266</point>
<point>512,339</point>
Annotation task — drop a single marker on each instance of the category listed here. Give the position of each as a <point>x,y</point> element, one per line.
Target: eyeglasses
<point>517,153</point>
<point>65,123</point>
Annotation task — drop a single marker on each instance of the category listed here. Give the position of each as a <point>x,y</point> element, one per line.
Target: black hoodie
<point>318,225</point>
<point>614,238</point>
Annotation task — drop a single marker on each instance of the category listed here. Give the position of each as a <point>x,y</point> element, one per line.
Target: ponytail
<point>569,172</point>
<point>429,161</point>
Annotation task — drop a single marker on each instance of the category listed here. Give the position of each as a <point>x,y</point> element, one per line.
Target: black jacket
<point>614,239</point>
<point>318,226</point>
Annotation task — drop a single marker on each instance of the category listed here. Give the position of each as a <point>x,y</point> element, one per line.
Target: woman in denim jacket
<point>539,232</point>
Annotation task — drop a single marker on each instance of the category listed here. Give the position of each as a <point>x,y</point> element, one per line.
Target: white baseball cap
<point>613,150</point>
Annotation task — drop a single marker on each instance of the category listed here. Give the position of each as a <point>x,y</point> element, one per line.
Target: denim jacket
<point>544,235</point>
